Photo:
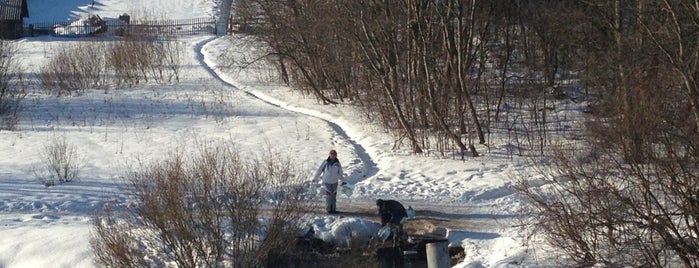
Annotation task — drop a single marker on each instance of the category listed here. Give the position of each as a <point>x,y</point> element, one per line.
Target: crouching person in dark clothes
<point>391,212</point>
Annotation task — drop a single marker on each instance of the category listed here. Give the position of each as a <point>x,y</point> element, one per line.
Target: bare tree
<point>672,27</point>
<point>423,68</point>
<point>626,195</point>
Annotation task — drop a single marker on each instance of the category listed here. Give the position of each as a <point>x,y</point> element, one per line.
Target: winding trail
<point>452,217</point>
<point>370,167</point>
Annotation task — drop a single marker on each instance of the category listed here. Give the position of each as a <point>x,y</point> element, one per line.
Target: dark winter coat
<point>391,211</point>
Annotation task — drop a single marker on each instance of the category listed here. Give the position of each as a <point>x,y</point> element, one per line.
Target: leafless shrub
<point>141,59</point>
<point>75,68</point>
<point>115,244</point>
<point>218,208</point>
<point>61,160</point>
<point>134,60</point>
<point>12,86</point>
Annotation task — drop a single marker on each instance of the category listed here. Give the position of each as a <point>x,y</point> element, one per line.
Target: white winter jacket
<point>329,172</point>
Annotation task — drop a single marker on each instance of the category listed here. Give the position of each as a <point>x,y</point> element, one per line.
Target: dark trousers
<point>330,197</point>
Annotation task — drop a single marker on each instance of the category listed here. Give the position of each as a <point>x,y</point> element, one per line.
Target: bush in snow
<point>140,59</point>
<point>61,160</point>
<point>75,68</point>
<point>128,62</point>
<point>215,209</point>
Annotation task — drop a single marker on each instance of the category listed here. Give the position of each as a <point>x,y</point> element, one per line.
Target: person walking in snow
<point>330,173</point>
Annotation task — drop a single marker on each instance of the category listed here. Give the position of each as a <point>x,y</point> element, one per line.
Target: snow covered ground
<point>50,227</point>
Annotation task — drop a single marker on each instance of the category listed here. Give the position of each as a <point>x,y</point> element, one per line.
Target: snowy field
<point>50,227</point>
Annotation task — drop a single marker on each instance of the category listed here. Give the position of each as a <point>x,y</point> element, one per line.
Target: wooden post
<point>438,254</point>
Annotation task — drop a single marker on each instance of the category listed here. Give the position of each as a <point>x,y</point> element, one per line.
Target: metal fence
<point>123,28</point>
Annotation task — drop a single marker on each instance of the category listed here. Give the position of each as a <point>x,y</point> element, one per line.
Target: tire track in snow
<point>370,168</point>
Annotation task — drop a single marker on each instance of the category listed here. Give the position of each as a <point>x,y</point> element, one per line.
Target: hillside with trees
<point>449,75</point>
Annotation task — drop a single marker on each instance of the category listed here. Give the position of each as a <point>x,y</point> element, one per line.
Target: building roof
<point>13,9</point>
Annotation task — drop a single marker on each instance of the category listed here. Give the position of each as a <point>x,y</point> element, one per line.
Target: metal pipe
<point>438,254</point>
